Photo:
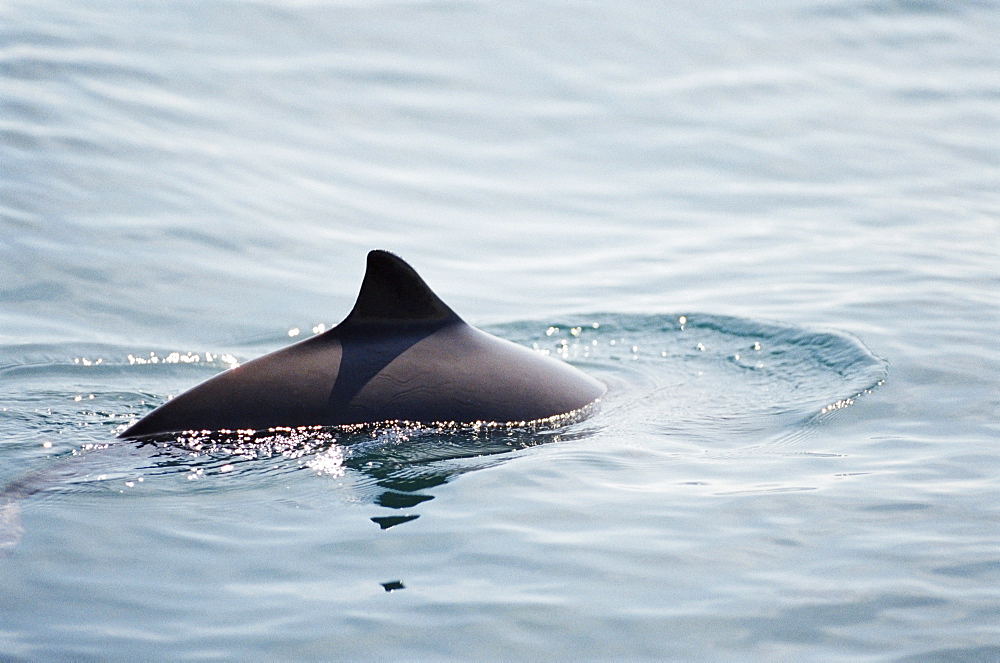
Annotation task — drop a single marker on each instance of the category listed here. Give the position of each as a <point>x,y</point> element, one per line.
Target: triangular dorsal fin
<point>393,293</point>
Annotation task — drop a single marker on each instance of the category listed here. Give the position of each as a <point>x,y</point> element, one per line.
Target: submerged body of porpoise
<point>400,355</point>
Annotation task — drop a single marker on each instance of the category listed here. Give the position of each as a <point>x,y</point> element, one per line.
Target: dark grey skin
<point>400,355</point>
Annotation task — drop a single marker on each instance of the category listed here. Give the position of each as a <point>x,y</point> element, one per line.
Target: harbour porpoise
<point>400,355</point>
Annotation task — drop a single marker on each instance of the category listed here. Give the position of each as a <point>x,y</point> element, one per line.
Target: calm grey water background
<point>192,178</point>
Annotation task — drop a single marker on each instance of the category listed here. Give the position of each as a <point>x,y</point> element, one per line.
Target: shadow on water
<point>395,465</point>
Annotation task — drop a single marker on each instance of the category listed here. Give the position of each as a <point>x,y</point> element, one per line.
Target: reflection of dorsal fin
<point>393,293</point>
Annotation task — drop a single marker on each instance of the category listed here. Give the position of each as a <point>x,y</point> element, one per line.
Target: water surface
<point>811,186</point>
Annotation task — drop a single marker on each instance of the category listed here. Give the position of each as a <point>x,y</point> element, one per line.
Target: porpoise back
<point>400,355</point>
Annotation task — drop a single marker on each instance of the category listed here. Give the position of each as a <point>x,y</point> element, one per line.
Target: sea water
<point>771,228</point>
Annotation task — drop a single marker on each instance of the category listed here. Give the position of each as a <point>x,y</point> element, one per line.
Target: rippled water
<point>787,211</point>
